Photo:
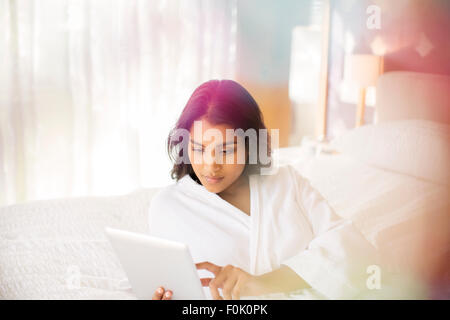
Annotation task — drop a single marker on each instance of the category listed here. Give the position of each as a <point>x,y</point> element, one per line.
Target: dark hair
<point>219,102</point>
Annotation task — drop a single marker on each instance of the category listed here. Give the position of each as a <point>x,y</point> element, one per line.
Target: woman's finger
<point>236,292</point>
<point>219,281</point>
<point>167,295</point>
<point>205,281</point>
<point>214,288</point>
<point>228,287</point>
<point>208,266</point>
<point>158,294</point>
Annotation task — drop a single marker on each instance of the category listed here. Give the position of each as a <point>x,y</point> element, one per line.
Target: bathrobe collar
<point>197,190</point>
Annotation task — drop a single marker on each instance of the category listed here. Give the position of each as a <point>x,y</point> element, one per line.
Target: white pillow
<point>419,148</point>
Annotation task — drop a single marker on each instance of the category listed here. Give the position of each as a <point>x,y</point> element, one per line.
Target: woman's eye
<point>197,150</point>
<point>228,151</point>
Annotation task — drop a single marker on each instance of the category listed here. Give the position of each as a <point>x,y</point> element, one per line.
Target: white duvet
<point>57,250</point>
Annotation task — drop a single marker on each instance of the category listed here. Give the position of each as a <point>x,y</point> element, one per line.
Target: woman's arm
<point>283,279</point>
<point>336,259</point>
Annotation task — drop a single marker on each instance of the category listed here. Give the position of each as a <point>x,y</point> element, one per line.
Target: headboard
<point>412,95</point>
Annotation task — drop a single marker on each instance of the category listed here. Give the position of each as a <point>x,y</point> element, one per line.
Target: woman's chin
<point>215,188</point>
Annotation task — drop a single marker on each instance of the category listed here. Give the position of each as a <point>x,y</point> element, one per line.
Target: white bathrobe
<point>290,223</point>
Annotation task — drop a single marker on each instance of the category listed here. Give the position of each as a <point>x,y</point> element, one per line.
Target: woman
<point>256,230</point>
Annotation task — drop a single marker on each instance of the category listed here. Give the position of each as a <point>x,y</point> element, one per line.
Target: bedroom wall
<point>263,53</point>
<point>413,36</point>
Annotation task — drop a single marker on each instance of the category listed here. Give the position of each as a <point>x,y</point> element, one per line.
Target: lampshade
<point>363,69</point>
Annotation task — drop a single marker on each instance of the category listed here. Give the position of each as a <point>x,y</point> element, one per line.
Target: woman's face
<point>219,167</point>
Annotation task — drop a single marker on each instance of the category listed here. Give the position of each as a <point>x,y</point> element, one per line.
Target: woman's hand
<point>235,282</point>
<point>161,294</point>
<point>232,280</point>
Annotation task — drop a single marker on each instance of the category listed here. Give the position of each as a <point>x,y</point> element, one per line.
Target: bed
<point>56,249</point>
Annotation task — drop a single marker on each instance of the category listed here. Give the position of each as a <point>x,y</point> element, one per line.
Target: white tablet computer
<point>151,262</point>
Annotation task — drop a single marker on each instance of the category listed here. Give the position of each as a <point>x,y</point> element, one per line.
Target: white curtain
<point>89,89</point>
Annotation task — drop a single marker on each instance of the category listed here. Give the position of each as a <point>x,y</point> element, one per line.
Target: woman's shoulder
<point>173,193</point>
<point>284,178</point>
<point>165,204</point>
<point>165,193</point>
<point>168,193</point>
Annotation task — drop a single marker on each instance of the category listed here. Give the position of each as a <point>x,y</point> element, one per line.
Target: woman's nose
<point>213,166</point>
<point>211,160</point>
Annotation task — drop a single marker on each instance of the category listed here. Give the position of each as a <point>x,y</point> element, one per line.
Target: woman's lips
<point>213,180</point>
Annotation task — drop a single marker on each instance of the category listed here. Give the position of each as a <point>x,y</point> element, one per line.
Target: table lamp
<point>364,70</point>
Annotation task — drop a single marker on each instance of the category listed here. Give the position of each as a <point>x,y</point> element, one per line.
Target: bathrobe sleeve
<point>336,259</point>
